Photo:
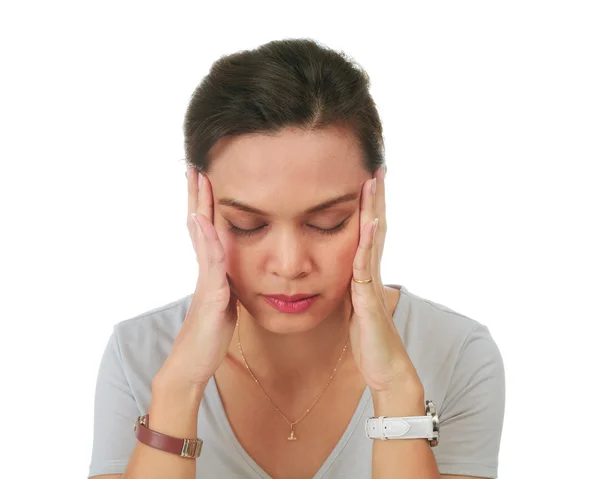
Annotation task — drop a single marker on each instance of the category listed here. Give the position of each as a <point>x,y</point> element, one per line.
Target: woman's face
<point>264,189</point>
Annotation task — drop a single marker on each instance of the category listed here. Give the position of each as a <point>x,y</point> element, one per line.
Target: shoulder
<point>416,316</point>
<point>144,341</point>
<point>161,321</point>
<point>443,343</point>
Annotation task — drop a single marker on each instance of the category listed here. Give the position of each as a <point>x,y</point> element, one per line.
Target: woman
<point>290,341</point>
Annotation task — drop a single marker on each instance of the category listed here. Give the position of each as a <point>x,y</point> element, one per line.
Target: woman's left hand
<point>376,344</point>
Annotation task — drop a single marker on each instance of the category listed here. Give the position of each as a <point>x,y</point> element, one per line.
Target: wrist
<point>174,408</point>
<point>172,388</point>
<point>400,400</point>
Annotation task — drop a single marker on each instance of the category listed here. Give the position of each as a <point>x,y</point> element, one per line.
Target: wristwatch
<point>189,448</point>
<point>415,427</point>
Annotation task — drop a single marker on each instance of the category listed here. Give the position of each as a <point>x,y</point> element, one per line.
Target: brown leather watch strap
<point>189,448</point>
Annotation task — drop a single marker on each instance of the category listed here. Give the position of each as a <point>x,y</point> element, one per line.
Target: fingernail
<point>373,186</point>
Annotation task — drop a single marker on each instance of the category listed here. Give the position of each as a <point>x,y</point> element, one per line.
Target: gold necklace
<point>292,436</point>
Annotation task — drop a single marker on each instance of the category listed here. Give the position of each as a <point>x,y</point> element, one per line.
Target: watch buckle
<point>191,448</point>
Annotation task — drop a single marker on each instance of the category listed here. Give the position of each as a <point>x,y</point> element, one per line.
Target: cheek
<point>343,256</point>
<point>338,259</point>
<point>336,266</point>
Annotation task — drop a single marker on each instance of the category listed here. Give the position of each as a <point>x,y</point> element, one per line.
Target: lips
<point>295,297</point>
<point>284,303</point>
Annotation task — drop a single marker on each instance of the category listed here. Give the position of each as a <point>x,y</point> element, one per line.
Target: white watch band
<point>417,427</point>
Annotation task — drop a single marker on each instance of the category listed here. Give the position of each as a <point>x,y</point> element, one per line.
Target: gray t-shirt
<point>456,358</point>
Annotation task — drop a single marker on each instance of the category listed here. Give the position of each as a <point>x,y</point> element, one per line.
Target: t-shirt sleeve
<point>472,414</point>
<point>115,410</point>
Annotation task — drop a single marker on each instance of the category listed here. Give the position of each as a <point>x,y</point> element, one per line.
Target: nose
<point>289,255</point>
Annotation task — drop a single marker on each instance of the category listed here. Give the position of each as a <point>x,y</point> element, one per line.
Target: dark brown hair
<point>283,83</point>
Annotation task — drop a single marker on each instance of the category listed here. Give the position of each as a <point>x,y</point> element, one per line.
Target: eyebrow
<point>314,209</point>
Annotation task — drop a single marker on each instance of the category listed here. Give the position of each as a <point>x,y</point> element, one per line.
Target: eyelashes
<point>326,232</point>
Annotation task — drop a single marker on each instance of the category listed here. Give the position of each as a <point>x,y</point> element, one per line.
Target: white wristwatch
<point>416,427</point>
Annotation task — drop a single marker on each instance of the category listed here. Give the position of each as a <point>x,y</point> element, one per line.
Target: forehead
<point>293,165</point>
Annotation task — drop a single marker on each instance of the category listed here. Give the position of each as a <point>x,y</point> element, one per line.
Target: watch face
<point>432,411</point>
<point>430,408</point>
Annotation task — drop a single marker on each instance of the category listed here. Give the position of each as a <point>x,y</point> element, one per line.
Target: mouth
<point>297,303</point>
<point>289,299</point>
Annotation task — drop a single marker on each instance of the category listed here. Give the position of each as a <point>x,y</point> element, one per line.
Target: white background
<point>491,115</point>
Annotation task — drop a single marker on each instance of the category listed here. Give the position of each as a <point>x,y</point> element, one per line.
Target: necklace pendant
<point>292,436</point>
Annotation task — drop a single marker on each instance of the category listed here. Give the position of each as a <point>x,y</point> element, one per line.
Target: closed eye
<point>325,231</point>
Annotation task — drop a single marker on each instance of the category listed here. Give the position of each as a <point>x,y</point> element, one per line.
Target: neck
<point>294,361</point>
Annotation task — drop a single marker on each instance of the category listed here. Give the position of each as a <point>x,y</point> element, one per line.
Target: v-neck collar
<point>352,425</point>
<point>222,418</point>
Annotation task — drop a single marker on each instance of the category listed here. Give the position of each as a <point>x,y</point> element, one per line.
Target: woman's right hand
<point>206,332</point>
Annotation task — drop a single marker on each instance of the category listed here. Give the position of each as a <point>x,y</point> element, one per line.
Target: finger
<point>205,197</point>
<point>362,259</point>
<point>366,250</point>
<point>200,197</point>
<point>367,202</point>
<point>192,200</point>
<point>211,254</point>
<point>361,268</point>
<point>380,194</point>
<point>192,189</point>
<point>380,213</point>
